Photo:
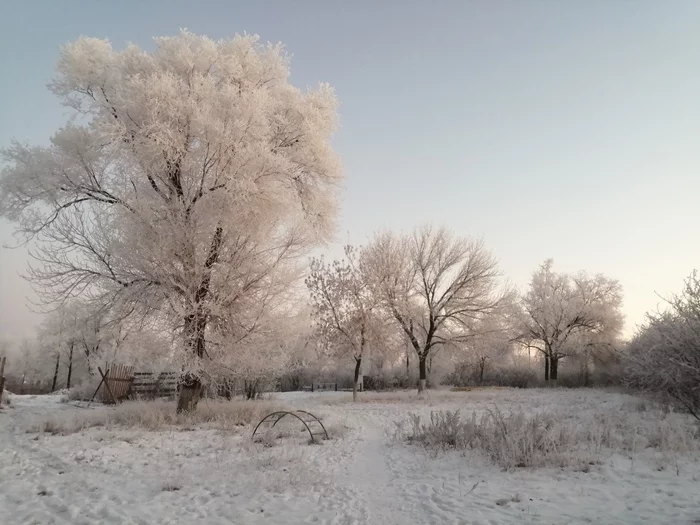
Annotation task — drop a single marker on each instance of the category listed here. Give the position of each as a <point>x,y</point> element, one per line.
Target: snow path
<point>371,471</point>
<point>362,476</point>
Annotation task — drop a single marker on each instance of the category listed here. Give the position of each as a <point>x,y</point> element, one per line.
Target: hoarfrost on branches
<point>664,355</point>
<point>560,309</point>
<point>434,287</point>
<point>344,307</point>
<point>189,186</point>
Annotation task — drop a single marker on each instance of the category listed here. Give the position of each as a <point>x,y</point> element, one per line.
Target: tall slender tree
<point>345,307</point>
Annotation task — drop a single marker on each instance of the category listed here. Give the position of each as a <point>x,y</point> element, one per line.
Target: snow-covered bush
<point>516,440</point>
<point>85,390</point>
<point>664,356</point>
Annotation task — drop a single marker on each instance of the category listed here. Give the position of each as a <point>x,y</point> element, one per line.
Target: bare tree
<point>559,308</point>
<point>435,287</point>
<point>491,344</point>
<point>198,181</point>
<point>343,307</point>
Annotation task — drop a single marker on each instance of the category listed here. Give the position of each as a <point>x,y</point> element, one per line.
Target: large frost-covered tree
<point>559,308</point>
<point>344,307</point>
<point>188,186</point>
<point>436,288</point>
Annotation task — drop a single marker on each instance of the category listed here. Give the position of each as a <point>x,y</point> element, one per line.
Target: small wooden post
<point>105,379</point>
<point>2,377</point>
<point>98,387</point>
<point>104,376</point>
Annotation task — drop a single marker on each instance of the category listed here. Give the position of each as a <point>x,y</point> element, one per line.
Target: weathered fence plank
<point>2,377</point>
<point>147,384</point>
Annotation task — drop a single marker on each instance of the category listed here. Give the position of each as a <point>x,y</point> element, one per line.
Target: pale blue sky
<point>564,129</point>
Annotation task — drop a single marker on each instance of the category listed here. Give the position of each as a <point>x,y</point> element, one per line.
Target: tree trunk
<point>87,359</point>
<point>196,322</point>
<point>70,366</point>
<point>190,393</point>
<point>227,389</point>
<point>2,377</point>
<point>191,386</point>
<point>252,388</point>
<point>55,372</point>
<point>355,383</point>
<point>546,368</point>
<point>482,365</point>
<point>553,368</point>
<point>422,374</point>
<point>408,362</point>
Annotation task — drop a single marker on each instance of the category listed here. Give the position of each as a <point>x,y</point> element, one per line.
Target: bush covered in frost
<point>518,440</point>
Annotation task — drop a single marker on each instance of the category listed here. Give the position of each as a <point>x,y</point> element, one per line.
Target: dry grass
<point>160,415</point>
<point>545,439</point>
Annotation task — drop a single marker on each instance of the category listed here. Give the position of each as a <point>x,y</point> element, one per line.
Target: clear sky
<point>563,129</point>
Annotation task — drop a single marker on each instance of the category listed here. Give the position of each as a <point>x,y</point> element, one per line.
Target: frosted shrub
<point>664,356</point>
<point>539,440</point>
<point>445,430</point>
<point>84,391</point>
<point>519,440</point>
<point>510,441</point>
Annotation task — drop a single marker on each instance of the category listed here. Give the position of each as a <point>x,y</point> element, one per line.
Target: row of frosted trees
<point>434,291</point>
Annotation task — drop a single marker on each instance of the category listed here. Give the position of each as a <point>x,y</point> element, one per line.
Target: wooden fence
<point>149,385</point>
<point>116,384</point>
<point>325,387</point>
<point>119,382</point>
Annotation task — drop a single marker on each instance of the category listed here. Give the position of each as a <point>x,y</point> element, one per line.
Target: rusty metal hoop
<point>283,413</point>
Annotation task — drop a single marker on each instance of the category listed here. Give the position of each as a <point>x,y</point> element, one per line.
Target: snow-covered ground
<point>363,475</point>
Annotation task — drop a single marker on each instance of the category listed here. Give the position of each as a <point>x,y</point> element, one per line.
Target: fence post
<point>2,377</point>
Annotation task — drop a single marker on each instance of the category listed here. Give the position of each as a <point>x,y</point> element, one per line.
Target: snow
<point>362,475</point>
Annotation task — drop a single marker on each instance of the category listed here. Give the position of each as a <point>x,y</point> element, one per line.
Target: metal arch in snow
<point>315,419</point>
<point>283,413</point>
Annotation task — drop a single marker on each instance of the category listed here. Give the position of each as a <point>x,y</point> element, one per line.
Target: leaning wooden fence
<point>116,383</point>
<point>120,382</point>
